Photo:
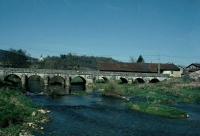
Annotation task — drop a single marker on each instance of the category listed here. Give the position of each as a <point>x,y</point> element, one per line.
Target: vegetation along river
<point>94,114</point>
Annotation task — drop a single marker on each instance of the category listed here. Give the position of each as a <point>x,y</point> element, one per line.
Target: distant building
<point>193,67</point>
<point>41,59</point>
<point>168,69</point>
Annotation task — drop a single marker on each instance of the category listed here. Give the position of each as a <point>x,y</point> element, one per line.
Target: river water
<point>95,115</point>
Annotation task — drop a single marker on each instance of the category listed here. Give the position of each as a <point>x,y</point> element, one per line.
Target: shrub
<point>112,88</point>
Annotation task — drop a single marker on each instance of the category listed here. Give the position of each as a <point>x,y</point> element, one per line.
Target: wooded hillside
<point>71,61</point>
<point>19,58</point>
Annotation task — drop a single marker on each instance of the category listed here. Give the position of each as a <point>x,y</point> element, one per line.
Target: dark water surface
<point>94,115</point>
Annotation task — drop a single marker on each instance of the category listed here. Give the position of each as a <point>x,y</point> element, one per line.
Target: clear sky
<point>108,28</point>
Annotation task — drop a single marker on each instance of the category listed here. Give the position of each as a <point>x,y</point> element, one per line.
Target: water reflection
<point>37,87</point>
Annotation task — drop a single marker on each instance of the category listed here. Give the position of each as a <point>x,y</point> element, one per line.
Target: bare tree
<point>132,60</point>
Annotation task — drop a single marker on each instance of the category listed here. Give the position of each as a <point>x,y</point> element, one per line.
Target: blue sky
<point>108,28</point>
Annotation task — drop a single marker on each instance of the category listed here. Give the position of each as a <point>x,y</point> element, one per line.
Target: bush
<point>113,89</point>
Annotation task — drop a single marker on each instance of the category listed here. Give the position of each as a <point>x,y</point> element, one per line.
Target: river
<point>95,115</point>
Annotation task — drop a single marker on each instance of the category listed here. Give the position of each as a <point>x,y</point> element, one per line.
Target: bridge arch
<point>78,80</point>
<point>35,77</point>
<point>123,80</point>
<point>154,80</point>
<point>139,80</point>
<point>57,80</point>
<point>13,78</point>
<point>35,84</point>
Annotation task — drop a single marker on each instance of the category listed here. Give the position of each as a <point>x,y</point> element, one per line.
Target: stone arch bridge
<point>88,77</point>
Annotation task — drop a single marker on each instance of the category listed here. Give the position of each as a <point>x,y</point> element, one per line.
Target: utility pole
<point>158,64</point>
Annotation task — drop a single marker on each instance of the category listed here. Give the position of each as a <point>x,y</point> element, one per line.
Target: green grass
<point>16,110</point>
<point>157,109</point>
<point>167,92</point>
<point>188,95</point>
<point>164,92</point>
<point>152,96</point>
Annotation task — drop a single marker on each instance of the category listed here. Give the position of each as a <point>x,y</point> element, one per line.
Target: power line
<point>182,57</point>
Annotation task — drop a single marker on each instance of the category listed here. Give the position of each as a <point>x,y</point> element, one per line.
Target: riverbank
<point>19,116</point>
<point>95,114</point>
<point>175,90</point>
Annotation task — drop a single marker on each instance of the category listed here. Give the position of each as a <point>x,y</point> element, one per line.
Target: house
<point>168,69</point>
<point>41,59</point>
<point>193,67</point>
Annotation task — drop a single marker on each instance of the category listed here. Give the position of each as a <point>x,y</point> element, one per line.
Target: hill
<point>70,61</point>
<point>64,61</point>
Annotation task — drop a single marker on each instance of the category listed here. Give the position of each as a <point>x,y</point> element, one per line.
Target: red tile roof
<point>135,67</point>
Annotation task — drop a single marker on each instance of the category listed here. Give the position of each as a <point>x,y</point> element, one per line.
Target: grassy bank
<point>157,109</point>
<point>19,116</point>
<point>165,93</point>
<point>175,90</point>
<point>171,91</point>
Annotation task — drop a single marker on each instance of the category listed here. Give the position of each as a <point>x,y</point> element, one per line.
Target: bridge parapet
<point>80,72</point>
<point>88,75</point>
<point>131,74</point>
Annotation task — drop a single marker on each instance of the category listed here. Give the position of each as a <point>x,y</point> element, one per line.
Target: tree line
<point>20,59</point>
<point>70,61</point>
